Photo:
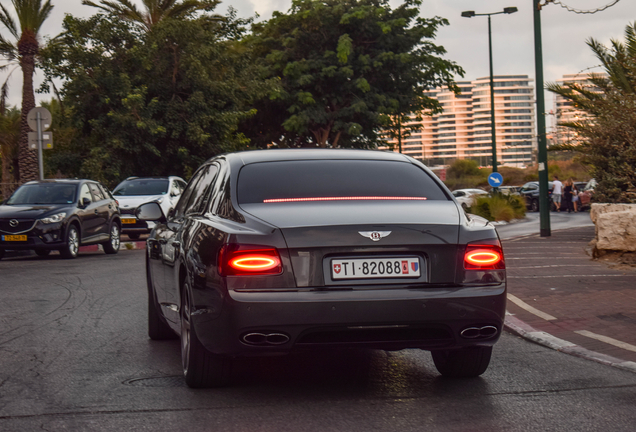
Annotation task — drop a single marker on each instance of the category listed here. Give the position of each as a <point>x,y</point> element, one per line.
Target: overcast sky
<point>466,39</point>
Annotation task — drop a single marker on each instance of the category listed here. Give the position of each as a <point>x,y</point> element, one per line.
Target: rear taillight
<point>249,260</point>
<point>484,257</point>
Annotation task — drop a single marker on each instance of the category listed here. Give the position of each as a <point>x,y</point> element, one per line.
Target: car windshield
<point>44,193</point>
<point>335,180</point>
<point>138,187</point>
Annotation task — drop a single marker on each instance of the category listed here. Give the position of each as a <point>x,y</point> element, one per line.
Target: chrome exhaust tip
<point>479,332</point>
<point>264,339</point>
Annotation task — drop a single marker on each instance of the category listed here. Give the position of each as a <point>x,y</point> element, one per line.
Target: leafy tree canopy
<point>154,102</point>
<point>345,67</point>
<point>609,133</point>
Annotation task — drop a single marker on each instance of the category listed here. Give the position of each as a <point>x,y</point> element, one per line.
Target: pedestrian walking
<point>557,190</point>
<point>567,195</point>
<point>575,198</point>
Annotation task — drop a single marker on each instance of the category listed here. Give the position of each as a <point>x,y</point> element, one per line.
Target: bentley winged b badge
<point>374,235</point>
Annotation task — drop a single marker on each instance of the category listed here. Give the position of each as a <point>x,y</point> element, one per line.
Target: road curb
<point>516,326</point>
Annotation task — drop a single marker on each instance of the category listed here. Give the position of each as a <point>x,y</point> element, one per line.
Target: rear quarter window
<point>264,181</point>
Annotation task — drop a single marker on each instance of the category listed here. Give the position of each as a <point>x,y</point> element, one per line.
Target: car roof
<point>68,181</point>
<point>275,155</point>
<point>153,178</point>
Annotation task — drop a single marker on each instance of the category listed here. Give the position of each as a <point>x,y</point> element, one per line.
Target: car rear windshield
<point>48,193</point>
<point>142,187</point>
<point>335,180</point>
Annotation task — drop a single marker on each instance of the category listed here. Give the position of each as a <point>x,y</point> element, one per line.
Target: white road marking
<point>532,310</point>
<point>608,340</point>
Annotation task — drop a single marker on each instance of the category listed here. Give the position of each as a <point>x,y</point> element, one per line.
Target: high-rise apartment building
<point>564,111</point>
<point>463,129</point>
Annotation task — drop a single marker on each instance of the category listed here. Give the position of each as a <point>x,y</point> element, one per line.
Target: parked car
<point>530,192</point>
<point>59,215</point>
<point>269,252</point>
<point>466,197</point>
<point>135,191</point>
<point>585,194</point>
<point>509,190</point>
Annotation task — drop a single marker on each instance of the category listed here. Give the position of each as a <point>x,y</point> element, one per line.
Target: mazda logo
<point>14,223</point>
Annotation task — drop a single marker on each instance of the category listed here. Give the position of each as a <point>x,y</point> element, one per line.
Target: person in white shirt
<point>557,190</point>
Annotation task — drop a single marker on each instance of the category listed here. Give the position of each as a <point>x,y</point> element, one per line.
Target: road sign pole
<point>38,120</point>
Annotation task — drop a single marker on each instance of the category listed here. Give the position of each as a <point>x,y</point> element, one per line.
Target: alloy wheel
<point>114,237</point>
<point>73,241</point>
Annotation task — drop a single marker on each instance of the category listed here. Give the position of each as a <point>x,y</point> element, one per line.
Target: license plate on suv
<point>128,220</point>
<point>14,238</point>
<point>375,268</point>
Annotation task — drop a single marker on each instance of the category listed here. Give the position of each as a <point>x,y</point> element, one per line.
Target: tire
<point>112,245</point>
<point>201,368</point>
<point>534,205</point>
<point>462,363</point>
<point>71,249</point>
<point>134,236</point>
<point>157,328</point>
<point>42,252</point>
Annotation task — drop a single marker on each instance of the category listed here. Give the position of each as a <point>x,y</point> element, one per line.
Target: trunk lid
<point>317,233</point>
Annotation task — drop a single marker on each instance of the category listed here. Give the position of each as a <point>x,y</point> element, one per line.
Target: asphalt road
<point>74,355</point>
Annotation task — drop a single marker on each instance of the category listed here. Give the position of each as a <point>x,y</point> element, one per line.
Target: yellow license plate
<point>14,238</point>
<point>128,221</point>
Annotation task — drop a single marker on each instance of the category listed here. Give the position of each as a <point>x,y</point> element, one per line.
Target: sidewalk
<point>559,297</point>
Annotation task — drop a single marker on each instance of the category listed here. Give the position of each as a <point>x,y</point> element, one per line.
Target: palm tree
<point>31,15</point>
<point>155,10</point>
<point>607,131</point>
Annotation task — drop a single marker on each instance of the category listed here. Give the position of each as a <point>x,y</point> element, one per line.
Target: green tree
<point>154,10</point>
<point>31,15</point>
<point>608,135</point>
<point>151,103</point>
<point>345,68</point>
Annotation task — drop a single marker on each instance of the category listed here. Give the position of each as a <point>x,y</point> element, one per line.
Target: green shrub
<point>499,207</point>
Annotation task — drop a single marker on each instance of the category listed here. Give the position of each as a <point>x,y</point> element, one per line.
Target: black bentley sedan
<point>278,250</point>
<point>59,215</point>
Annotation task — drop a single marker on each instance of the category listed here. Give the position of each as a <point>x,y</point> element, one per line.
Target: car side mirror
<point>85,202</point>
<point>150,212</point>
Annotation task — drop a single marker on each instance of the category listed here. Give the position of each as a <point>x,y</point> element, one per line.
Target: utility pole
<point>544,204</point>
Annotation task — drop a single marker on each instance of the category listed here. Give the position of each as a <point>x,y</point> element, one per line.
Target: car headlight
<point>159,201</point>
<point>54,219</point>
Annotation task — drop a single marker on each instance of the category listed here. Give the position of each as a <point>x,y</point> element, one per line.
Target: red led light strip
<point>355,198</point>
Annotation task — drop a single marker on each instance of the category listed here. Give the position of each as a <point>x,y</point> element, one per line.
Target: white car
<point>466,196</point>
<point>134,191</point>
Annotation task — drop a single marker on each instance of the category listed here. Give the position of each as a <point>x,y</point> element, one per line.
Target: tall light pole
<point>542,155</point>
<point>470,14</point>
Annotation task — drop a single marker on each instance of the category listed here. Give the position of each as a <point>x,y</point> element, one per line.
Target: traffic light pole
<point>544,204</point>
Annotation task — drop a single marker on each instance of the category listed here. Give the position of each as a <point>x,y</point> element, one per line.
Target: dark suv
<point>59,215</point>
<point>530,192</point>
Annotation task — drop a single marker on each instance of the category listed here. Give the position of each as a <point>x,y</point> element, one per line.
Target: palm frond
<point>8,22</point>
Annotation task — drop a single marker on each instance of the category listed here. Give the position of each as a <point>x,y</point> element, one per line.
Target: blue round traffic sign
<point>495,179</point>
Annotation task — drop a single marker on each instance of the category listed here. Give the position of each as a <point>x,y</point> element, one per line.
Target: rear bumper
<point>390,319</point>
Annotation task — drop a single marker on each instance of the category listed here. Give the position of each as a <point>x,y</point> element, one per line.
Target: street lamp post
<point>470,14</point>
